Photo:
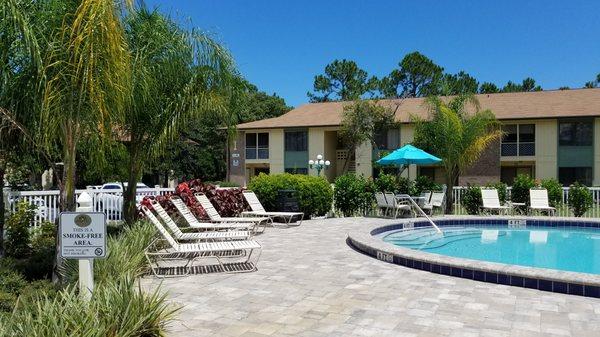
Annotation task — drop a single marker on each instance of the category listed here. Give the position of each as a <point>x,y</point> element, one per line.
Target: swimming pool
<point>550,254</point>
<point>569,249</point>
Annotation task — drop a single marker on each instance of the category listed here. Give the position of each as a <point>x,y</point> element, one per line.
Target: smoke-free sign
<point>82,235</point>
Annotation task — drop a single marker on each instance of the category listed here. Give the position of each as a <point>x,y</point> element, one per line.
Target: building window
<point>575,133</point>
<point>296,141</point>
<point>257,145</point>
<point>569,175</point>
<point>518,140</point>
<point>387,139</point>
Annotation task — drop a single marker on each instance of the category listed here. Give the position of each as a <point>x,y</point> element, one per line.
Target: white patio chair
<point>424,198</point>
<point>382,205</point>
<point>193,222</point>
<point>491,202</point>
<point>214,216</point>
<point>259,210</point>
<point>162,252</point>
<point>539,201</point>
<point>436,201</point>
<point>397,206</point>
<point>197,236</point>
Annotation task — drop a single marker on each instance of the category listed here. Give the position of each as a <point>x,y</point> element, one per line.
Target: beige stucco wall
<point>364,164</point>
<point>330,154</point>
<point>316,145</point>
<point>546,148</point>
<point>407,134</point>
<point>276,144</point>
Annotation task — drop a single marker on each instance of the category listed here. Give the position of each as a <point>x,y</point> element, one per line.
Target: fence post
<point>86,266</point>
<point>6,198</point>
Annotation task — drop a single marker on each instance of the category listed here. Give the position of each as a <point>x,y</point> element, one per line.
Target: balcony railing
<point>257,153</point>
<point>517,149</point>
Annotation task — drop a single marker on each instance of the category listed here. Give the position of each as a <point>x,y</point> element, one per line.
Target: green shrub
<point>502,191</point>
<point>424,183</point>
<point>555,191</point>
<point>580,199</point>
<point>13,286</point>
<point>314,193</point>
<point>385,183</point>
<point>43,246</point>
<point>471,200</point>
<point>17,230</point>
<point>354,195</point>
<point>520,188</point>
<point>224,183</point>
<point>118,308</point>
<point>405,186</point>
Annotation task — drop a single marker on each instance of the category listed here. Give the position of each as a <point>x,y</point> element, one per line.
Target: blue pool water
<point>567,249</point>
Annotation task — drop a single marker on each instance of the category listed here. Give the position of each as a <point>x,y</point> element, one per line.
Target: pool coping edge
<point>529,277</point>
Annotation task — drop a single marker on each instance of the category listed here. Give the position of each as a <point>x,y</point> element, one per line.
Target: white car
<point>109,197</point>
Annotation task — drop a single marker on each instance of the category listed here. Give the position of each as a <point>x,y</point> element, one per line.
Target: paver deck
<point>311,283</point>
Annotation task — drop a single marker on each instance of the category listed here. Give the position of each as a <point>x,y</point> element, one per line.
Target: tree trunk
<point>129,202</point>
<point>2,212</point>
<point>67,192</point>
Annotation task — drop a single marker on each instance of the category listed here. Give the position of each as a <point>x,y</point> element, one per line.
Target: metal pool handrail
<point>406,196</point>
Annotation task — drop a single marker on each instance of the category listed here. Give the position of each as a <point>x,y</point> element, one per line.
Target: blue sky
<point>281,45</point>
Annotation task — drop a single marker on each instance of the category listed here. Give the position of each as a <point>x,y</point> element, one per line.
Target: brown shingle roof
<point>540,104</point>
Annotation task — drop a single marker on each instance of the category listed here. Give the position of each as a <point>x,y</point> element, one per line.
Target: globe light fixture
<point>319,164</point>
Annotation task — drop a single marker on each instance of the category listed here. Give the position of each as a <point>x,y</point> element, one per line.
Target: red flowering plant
<point>228,202</point>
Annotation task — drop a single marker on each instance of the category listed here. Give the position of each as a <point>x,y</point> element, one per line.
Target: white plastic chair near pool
<point>382,205</point>
<point>162,253</point>
<point>259,210</point>
<point>491,202</point>
<point>396,206</point>
<point>436,201</point>
<point>539,201</point>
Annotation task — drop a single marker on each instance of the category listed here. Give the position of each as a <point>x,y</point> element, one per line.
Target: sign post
<point>83,237</point>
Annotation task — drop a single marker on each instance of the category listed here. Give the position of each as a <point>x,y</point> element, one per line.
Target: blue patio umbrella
<point>407,155</point>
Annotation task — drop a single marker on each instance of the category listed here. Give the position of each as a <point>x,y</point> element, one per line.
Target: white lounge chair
<point>162,252</point>
<point>397,206</point>
<point>491,202</point>
<point>539,201</point>
<point>216,217</point>
<point>258,209</point>
<point>382,205</point>
<point>436,201</point>
<point>196,224</point>
<point>210,236</point>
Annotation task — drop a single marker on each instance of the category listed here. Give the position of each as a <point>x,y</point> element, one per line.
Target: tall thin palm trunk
<point>129,204</point>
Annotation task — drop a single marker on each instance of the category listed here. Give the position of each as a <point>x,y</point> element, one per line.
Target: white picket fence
<point>562,210</point>
<point>111,202</point>
<point>107,201</point>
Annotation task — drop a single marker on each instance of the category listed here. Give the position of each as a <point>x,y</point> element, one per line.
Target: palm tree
<point>20,70</point>
<point>176,75</point>
<point>456,135</point>
<point>87,79</point>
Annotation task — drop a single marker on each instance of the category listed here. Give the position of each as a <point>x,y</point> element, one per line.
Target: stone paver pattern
<point>311,283</point>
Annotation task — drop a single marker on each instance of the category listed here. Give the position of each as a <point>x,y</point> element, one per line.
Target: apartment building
<point>547,134</point>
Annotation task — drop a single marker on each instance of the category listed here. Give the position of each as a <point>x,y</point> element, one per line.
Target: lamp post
<point>319,164</point>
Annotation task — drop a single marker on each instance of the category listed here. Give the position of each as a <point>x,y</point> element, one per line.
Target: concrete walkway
<point>310,283</point>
